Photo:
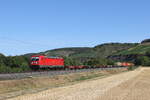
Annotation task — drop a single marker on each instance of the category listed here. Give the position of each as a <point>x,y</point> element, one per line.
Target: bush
<point>7,69</point>
<point>4,69</point>
<point>71,62</point>
<point>13,64</point>
<point>143,60</point>
<point>132,67</point>
<point>99,61</point>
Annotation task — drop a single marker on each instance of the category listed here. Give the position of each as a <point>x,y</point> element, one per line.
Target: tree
<point>148,53</point>
<point>2,59</point>
<point>110,62</point>
<point>99,61</point>
<point>71,62</point>
<point>143,60</point>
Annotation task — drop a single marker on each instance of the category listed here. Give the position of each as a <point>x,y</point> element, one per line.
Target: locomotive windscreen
<point>35,59</point>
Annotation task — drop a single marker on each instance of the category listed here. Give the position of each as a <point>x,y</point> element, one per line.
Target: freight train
<point>41,61</point>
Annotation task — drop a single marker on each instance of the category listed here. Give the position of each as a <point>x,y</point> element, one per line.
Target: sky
<point>30,26</point>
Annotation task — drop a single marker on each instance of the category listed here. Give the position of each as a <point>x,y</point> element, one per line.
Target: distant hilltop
<point>146,41</point>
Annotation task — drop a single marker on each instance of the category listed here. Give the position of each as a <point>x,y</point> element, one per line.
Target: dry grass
<point>12,88</point>
<point>133,89</point>
<point>94,89</point>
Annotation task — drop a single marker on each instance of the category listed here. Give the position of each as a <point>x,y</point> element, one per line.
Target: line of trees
<point>13,63</point>
<point>21,63</point>
<point>91,62</point>
<point>143,60</point>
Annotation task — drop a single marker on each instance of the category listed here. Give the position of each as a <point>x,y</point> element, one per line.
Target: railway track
<point>12,76</point>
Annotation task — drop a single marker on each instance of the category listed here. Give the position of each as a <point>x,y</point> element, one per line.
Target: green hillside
<point>67,52</point>
<point>108,49</point>
<point>84,54</point>
<point>139,49</point>
<point>100,51</point>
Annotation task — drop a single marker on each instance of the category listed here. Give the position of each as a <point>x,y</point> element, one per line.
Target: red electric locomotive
<point>40,61</point>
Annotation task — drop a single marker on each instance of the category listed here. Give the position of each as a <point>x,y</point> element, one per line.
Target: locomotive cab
<point>35,60</point>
